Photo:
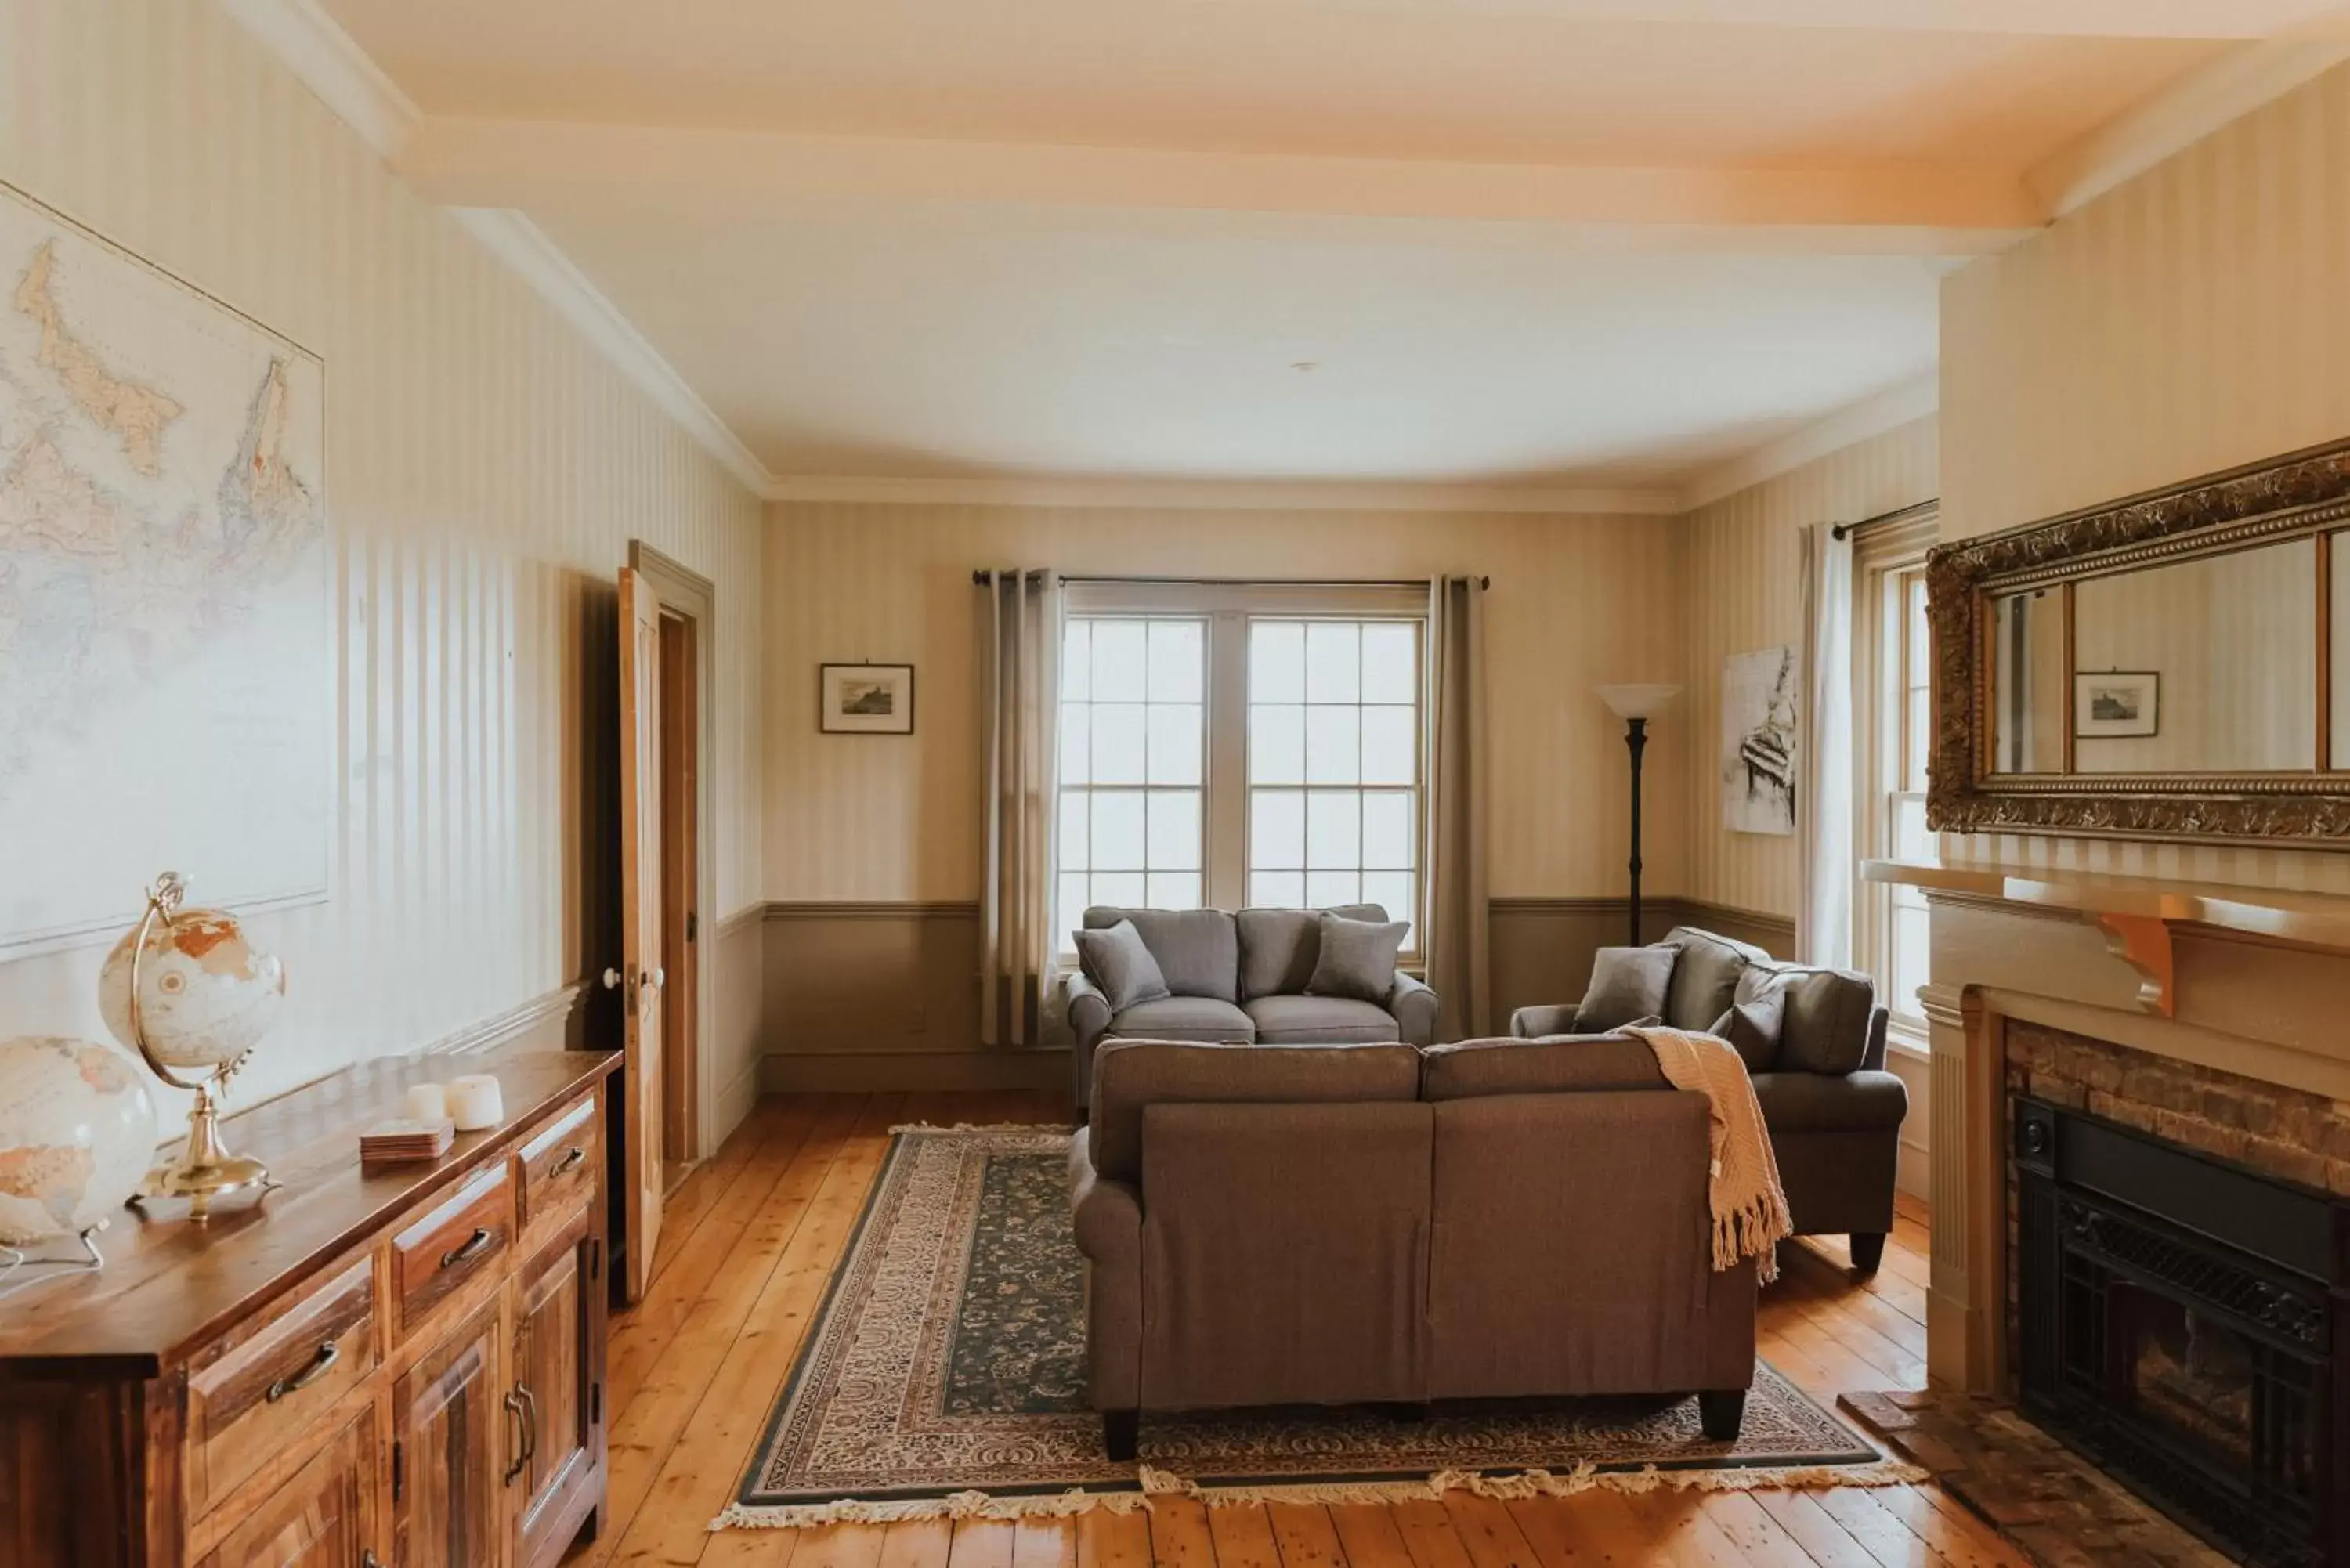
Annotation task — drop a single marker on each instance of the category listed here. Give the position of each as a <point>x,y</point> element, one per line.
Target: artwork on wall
<point>1758,742</point>
<point>865,699</point>
<point>166,636</point>
<point>2116,702</point>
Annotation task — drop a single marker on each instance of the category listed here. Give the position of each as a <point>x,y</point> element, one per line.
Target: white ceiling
<point>1525,243</point>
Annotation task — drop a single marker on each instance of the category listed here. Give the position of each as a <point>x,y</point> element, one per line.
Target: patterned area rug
<point>946,1375</point>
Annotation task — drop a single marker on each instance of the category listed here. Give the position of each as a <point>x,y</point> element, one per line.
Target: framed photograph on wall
<point>2116,702</point>
<point>865,699</point>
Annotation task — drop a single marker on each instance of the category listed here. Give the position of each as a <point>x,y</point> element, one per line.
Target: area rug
<point>945,1375</point>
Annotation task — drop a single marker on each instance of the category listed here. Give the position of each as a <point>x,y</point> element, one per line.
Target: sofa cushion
<point>1196,949</point>
<point>1280,946</point>
<point>1705,976</point>
<point>1826,1026</point>
<point>1184,1018</point>
<point>1626,984</point>
<point>1115,959</point>
<point>1477,1067</point>
<point>1129,1075</point>
<point>1752,1028</point>
<point>1807,1102</point>
<point>1357,957</point>
<point>1319,1020</point>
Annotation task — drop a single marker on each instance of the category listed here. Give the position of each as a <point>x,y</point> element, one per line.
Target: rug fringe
<point>982,1128</point>
<point>1077,1500</point>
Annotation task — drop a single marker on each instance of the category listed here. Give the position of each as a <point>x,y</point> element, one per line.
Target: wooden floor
<point>750,1240</point>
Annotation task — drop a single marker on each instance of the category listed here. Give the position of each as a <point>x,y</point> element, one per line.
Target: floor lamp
<point>1636,705</point>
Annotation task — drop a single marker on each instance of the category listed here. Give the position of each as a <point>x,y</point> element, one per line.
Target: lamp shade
<point>1638,702</point>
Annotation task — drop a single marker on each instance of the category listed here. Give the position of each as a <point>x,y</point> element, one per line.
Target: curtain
<point>1456,943</point>
<point>1020,666</point>
<point>1824,813</point>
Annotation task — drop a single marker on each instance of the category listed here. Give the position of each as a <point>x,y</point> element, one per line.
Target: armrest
<point>1872,1059</point>
<point>1535,1022</point>
<point>1413,1006</point>
<point>1089,1011</point>
<point>1107,1214</point>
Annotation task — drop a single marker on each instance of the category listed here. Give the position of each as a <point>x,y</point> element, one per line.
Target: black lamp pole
<point>1635,739</point>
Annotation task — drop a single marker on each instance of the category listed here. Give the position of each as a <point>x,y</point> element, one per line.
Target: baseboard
<point>1913,1170</point>
<point>864,1072</point>
<point>735,1099</point>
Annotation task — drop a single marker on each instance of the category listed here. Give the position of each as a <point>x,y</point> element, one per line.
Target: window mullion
<point>1227,786</point>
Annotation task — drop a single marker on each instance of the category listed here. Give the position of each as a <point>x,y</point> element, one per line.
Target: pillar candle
<point>428,1102</point>
<point>474,1102</point>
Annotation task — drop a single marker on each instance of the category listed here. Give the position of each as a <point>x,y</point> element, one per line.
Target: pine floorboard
<point>750,1237</point>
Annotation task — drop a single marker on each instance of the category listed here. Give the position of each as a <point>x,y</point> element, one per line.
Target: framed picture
<point>1758,742</point>
<point>865,699</point>
<point>2116,702</point>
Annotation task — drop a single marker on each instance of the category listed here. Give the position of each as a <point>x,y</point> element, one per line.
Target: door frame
<point>689,594</point>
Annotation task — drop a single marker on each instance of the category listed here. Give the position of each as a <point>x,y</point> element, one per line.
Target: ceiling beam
<point>1928,210</point>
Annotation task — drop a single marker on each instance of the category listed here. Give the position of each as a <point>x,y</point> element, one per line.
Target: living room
<point>1247,782</point>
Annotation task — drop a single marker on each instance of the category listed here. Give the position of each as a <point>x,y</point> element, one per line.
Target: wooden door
<point>640,928</point>
<point>447,1416</point>
<point>324,1516</point>
<point>552,1361</point>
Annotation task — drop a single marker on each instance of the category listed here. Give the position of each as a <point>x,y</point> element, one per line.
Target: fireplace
<point>2175,1319</point>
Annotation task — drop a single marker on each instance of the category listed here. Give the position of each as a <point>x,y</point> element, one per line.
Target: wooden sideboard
<point>399,1368</point>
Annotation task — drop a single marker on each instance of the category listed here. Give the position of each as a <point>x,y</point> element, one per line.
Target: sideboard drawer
<point>559,1166</point>
<point>260,1394</point>
<point>464,1239</point>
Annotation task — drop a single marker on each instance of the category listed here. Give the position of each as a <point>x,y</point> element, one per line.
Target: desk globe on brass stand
<point>185,991</point>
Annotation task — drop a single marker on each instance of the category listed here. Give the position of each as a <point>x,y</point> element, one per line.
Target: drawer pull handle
<point>320,1364</point>
<point>475,1245</point>
<point>522,1433</point>
<point>571,1157</point>
<point>368,1559</point>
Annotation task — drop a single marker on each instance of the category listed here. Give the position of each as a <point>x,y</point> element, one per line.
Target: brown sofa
<point>1343,1224</point>
<point>1834,1113</point>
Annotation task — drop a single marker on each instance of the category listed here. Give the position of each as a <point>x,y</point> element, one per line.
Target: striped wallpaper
<point>486,470</point>
<point>2190,320</point>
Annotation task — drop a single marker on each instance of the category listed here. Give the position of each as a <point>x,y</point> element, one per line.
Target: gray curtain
<point>1019,669</point>
<point>1459,962</point>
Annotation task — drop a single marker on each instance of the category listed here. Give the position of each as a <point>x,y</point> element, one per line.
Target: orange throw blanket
<point>1750,1207</point>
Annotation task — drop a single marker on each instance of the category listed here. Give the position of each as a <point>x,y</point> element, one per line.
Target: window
<point>1892,649</point>
<point>1235,745</point>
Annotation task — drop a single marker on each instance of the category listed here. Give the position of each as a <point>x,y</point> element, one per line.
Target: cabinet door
<point>553,1367</point>
<point>323,1517</point>
<point>446,1417</point>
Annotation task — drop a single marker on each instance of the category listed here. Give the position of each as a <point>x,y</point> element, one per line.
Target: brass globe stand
<point>206,1170</point>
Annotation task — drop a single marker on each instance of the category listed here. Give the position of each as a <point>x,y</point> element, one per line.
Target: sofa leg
<point>1722,1413</point>
<point>1121,1429</point>
<point>1867,1252</point>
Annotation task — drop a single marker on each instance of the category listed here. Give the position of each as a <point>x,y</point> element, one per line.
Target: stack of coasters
<point>392,1142</point>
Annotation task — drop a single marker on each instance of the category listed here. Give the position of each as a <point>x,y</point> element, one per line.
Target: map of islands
<point>165,656</point>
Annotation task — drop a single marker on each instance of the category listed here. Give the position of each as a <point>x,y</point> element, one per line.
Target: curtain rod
<point>1899,515</point>
<point>979,578</point>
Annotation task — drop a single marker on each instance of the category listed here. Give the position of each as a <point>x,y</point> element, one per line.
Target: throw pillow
<point>1626,984</point>
<point>1752,1027</point>
<point>1357,957</point>
<point>1115,959</point>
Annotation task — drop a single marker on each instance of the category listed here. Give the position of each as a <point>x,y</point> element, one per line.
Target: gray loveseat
<point>1834,1113</point>
<point>1240,979</point>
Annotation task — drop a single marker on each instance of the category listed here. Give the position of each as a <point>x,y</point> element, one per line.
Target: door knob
<point>611,980</point>
<point>658,978</point>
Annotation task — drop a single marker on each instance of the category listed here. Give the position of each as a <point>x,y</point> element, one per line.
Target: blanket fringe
<point>1156,1482</point>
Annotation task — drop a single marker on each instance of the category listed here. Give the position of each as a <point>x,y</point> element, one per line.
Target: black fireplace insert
<point>2177,1318</point>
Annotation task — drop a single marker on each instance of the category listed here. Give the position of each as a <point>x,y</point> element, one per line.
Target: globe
<point>206,996</point>
<point>76,1133</point>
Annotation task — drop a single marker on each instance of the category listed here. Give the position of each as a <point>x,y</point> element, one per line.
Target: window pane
<point>1178,661</point>
<point>1324,888</point>
<point>1276,661</point>
<point>1077,831</point>
<point>1389,826</point>
<point>1118,744</point>
<point>1921,723</point>
<point>1276,889</point>
<point>1392,892</point>
<point>1910,967</point>
<point>1390,751</point>
<point>1277,828</point>
<point>1076,744</point>
<point>1174,889</point>
<point>1119,839</point>
<point>1334,745</point>
<point>1911,839</point>
<point>1333,829</point>
<point>1076,661</point>
<point>1334,662</point>
<point>1921,633</point>
<point>1389,673</point>
<point>1276,746</point>
<point>1174,830</point>
<point>1120,652</point>
<point>1073,900</point>
<point>1175,742</point>
<point>1121,890</point>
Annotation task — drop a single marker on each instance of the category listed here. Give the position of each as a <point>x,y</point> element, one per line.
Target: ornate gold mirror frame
<point>2306,493</point>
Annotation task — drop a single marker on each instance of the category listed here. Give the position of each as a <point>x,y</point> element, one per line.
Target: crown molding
<point>1872,415</point>
<point>1225,495</point>
<point>2183,113</point>
<point>329,62</point>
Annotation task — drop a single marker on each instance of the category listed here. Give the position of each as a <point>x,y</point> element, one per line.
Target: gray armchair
<point>1240,979</point>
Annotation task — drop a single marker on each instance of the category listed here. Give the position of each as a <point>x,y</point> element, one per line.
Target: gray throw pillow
<point>1752,1027</point>
<point>1357,957</point>
<point>1626,984</point>
<point>1117,961</point>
